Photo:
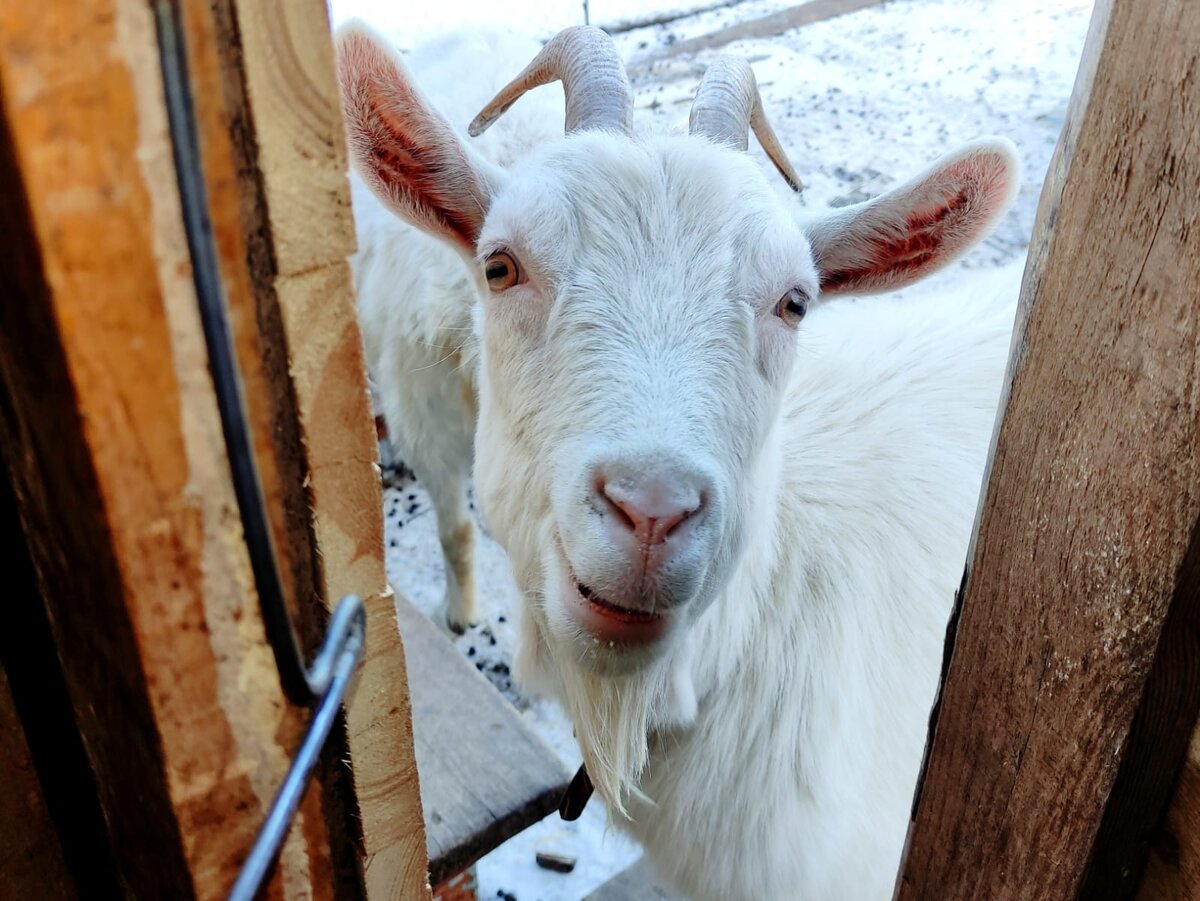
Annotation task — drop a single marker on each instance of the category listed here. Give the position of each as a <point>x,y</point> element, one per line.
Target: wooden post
<point>282,102</point>
<point>111,437</point>
<point>1071,686</point>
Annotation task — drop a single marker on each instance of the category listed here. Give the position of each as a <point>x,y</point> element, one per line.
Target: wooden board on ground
<point>1072,682</point>
<point>638,882</point>
<point>485,775</point>
<point>762,27</point>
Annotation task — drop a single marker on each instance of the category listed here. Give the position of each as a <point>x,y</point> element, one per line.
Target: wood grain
<point>292,139</point>
<point>1082,546</point>
<point>485,775</point>
<point>120,468</point>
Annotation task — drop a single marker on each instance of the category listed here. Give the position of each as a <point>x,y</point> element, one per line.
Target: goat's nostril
<point>649,510</point>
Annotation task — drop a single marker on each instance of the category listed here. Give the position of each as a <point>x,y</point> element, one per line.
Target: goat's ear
<point>919,227</point>
<point>406,152</point>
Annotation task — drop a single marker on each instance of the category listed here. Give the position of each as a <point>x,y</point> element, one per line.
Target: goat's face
<point>640,302</point>
<point>639,310</point>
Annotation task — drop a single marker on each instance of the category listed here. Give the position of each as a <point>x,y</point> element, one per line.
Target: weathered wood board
<point>485,775</point>
<point>298,225</point>
<point>1071,682</point>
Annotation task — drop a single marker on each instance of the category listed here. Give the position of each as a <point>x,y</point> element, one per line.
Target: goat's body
<point>816,671</point>
<point>786,723</point>
<point>415,297</point>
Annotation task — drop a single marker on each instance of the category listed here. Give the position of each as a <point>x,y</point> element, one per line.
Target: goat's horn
<point>594,83</point>
<point>728,105</point>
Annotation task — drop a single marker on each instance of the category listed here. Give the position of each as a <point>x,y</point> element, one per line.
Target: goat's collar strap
<point>576,796</point>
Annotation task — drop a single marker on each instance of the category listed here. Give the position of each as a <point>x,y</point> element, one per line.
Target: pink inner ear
<point>418,175</point>
<point>407,153</point>
<point>949,210</point>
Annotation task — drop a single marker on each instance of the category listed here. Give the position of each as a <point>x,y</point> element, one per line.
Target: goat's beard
<point>612,718</point>
<point>615,714</point>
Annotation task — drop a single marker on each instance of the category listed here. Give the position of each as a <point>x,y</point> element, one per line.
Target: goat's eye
<point>501,271</point>
<point>792,307</point>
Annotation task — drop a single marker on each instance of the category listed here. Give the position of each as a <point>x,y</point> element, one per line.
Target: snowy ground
<point>860,101</point>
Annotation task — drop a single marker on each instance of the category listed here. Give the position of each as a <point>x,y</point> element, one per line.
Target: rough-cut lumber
<point>1072,673</point>
<point>762,27</point>
<point>485,775</point>
<point>283,103</point>
<point>115,450</point>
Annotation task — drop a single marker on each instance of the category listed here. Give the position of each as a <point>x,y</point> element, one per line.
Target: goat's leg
<point>456,532</point>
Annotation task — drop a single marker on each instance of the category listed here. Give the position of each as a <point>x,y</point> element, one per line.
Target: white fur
<point>415,298</point>
<point>767,748</point>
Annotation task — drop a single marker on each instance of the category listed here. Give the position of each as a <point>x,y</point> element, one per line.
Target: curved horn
<point>596,88</point>
<point>728,105</point>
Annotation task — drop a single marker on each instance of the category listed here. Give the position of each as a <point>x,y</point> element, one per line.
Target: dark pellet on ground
<point>470,652</point>
<point>559,863</point>
<point>503,619</point>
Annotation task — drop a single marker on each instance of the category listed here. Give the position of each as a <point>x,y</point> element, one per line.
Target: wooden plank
<point>1083,564</point>
<point>116,452</point>
<point>640,22</point>
<point>299,232</point>
<point>485,775</point>
<point>763,27</point>
<point>638,882</point>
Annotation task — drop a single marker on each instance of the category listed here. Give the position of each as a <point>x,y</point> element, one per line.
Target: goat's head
<point>640,302</point>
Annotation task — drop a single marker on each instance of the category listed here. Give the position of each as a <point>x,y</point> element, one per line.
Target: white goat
<point>415,298</point>
<point>737,529</point>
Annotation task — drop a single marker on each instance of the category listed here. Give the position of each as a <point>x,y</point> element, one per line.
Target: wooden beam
<point>112,437</point>
<point>282,99</point>
<point>1052,746</point>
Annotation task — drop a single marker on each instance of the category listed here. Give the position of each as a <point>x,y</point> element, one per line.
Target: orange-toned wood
<point>115,448</point>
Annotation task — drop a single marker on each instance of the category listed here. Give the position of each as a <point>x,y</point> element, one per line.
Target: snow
<point>861,102</point>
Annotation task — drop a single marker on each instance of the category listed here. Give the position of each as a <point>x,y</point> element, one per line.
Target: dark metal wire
<point>326,680</point>
<point>222,361</point>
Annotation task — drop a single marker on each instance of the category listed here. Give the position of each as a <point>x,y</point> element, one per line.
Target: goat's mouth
<point>608,622</point>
